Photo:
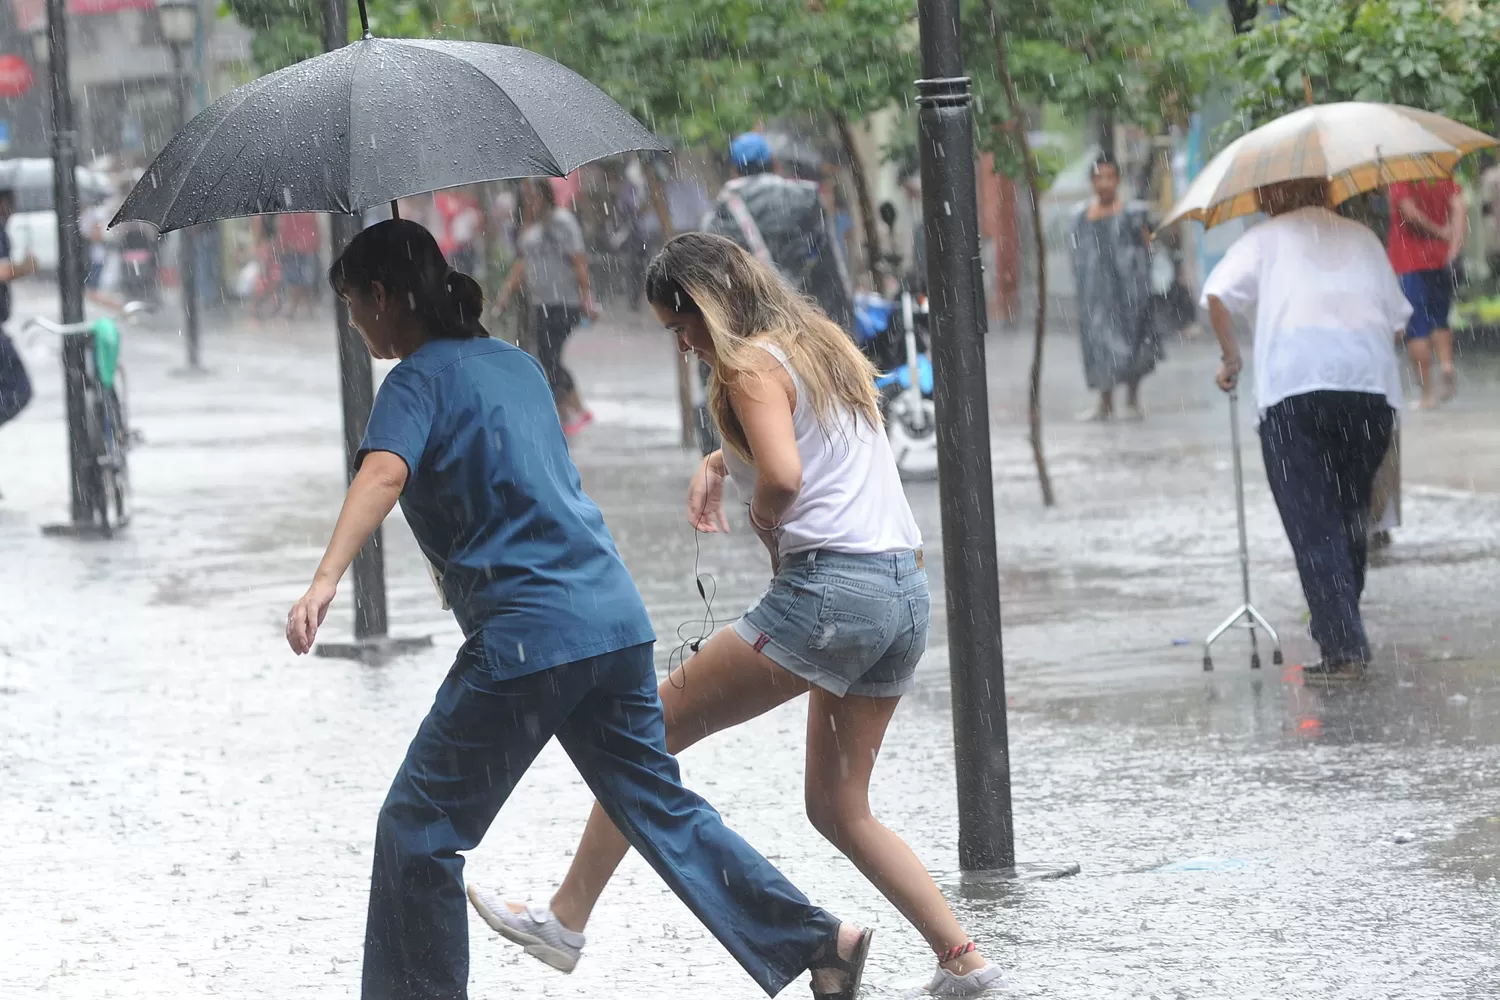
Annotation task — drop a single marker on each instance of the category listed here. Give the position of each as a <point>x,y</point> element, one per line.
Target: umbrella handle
<point>395,206</point>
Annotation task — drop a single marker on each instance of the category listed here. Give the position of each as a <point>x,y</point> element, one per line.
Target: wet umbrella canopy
<point>377,120</point>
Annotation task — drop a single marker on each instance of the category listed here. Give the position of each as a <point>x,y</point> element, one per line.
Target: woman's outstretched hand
<point>307,614</point>
<point>705,503</point>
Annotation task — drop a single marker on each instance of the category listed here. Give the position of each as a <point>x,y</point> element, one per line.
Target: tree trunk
<point>684,362</point>
<point>862,192</point>
<point>1034,408</point>
<point>1104,127</point>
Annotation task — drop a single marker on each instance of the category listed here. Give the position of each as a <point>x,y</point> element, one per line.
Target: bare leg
<point>1101,411</point>
<point>1442,345</point>
<point>1133,400</point>
<point>843,739</point>
<point>725,683</point>
<point>1420,350</point>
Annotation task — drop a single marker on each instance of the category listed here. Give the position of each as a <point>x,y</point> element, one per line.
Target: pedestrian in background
<point>1428,224</point>
<point>1489,202</point>
<point>1327,309</point>
<point>298,240</point>
<point>784,224</point>
<point>552,261</point>
<point>631,232</point>
<point>1112,269</point>
<point>269,287</point>
<point>15,384</point>
<point>461,223</point>
<point>846,615</point>
<point>557,642</point>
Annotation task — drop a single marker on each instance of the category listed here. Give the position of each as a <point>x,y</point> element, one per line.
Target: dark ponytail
<point>403,257</point>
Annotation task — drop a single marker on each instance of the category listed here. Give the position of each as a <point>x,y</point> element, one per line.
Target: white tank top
<point>851,498</point>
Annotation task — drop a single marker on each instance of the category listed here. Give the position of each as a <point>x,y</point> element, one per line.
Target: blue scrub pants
<point>478,739</point>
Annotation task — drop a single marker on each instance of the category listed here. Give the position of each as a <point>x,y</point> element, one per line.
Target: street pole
<point>357,393</point>
<point>69,262</point>
<point>986,839</point>
<point>187,246</point>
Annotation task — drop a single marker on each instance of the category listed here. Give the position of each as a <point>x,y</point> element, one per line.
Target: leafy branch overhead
<point>1145,62</point>
<point>1398,51</point>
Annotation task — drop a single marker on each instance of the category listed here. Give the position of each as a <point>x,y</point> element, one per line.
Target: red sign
<point>15,76</point>
<point>32,14</point>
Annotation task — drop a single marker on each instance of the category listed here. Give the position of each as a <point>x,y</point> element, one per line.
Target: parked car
<point>33,227</point>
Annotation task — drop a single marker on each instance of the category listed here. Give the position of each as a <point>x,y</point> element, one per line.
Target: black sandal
<point>853,967</point>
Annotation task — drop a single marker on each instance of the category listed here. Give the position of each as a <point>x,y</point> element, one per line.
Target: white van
<point>33,227</point>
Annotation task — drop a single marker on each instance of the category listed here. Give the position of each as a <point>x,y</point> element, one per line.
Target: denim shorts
<point>851,624</point>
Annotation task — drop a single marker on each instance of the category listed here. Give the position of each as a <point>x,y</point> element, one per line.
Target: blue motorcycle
<point>892,334</point>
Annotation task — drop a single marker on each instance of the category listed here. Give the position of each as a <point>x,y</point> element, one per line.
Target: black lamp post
<point>52,45</point>
<point>178,21</point>
<point>966,489</point>
<point>371,641</point>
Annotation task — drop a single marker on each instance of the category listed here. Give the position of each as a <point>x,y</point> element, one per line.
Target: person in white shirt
<point>1327,309</point>
<point>846,616</point>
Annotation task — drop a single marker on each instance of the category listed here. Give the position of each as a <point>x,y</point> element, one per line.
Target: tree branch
<point>1034,408</point>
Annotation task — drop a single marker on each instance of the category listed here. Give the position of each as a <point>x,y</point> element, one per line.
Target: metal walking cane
<point>1245,616</point>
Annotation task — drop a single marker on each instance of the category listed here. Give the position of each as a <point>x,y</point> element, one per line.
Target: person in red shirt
<point>462,225</point>
<point>298,240</point>
<point>1428,222</point>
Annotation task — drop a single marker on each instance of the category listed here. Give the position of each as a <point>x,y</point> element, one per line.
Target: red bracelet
<point>957,951</point>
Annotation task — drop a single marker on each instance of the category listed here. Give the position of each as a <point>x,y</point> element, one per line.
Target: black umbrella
<point>378,120</point>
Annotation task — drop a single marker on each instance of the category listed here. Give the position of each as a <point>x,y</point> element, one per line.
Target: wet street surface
<point>188,809</point>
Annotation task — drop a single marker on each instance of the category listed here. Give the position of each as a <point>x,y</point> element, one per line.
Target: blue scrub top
<point>494,500</point>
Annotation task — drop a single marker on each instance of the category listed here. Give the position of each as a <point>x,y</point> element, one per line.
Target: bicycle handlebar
<point>87,326</point>
<point>57,329</point>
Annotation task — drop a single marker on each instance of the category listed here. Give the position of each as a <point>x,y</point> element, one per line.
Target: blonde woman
<point>846,615</point>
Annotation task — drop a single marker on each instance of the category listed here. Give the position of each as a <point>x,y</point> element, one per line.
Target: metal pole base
<point>375,650</point>
<point>1245,616</point>
<point>75,529</point>
<point>997,882</point>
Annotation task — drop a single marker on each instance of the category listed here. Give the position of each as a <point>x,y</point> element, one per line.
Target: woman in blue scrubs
<point>557,643</point>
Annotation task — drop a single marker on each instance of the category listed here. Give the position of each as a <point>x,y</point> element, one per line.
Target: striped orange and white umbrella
<point>1354,146</point>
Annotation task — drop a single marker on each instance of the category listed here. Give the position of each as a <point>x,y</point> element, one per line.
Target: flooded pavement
<point>188,808</point>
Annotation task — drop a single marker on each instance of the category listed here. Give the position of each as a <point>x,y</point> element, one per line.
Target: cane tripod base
<point>1246,617</point>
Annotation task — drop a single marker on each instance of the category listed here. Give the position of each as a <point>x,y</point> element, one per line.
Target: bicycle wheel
<point>115,477</point>
<point>96,482</point>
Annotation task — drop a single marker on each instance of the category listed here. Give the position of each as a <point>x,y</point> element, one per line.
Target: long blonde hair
<point>741,300</point>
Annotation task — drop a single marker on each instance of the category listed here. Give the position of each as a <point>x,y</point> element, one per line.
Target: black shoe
<point>1324,671</point>
<point>852,968</point>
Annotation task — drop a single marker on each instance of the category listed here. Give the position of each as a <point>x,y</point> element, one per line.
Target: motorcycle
<point>899,353</point>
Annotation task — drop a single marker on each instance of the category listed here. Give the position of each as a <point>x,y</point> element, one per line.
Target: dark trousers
<point>1322,450</point>
<point>15,385</point>
<point>552,325</point>
<point>480,736</point>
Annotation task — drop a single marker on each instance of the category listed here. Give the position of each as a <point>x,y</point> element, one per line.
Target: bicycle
<point>107,431</point>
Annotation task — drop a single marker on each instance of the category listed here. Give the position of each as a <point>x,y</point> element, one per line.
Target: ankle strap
<point>957,951</point>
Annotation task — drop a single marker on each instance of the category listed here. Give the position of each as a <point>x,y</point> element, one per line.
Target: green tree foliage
<point>682,66</point>
<point>1399,51</point>
<point>845,57</point>
<point>1146,62</point>
<point>288,31</point>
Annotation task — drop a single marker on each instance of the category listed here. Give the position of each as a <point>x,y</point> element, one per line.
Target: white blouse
<point>1326,306</point>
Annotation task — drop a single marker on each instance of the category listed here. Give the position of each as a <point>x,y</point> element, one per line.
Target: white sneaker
<point>534,928</point>
<point>946,984</point>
